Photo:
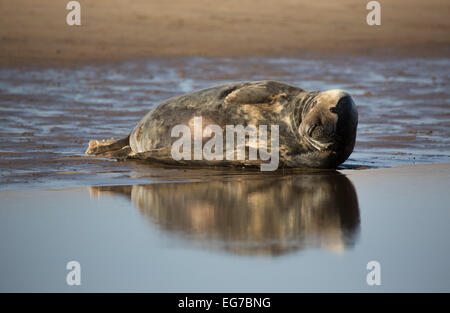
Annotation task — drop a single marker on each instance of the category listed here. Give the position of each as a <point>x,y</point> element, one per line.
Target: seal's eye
<point>334,110</point>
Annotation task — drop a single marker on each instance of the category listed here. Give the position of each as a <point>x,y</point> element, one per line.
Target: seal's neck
<point>307,100</point>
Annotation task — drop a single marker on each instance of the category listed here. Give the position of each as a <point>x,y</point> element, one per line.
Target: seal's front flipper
<point>263,92</point>
<point>110,148</point>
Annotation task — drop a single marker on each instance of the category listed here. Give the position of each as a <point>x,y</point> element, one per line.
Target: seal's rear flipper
<point>110,148</point>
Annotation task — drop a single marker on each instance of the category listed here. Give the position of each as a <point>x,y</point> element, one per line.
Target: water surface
<point>286,233</point>
<point>48,115</point>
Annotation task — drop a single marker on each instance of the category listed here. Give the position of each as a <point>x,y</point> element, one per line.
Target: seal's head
<point>328,123</point>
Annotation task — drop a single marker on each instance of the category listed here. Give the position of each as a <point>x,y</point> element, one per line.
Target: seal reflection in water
<point>253,216</point>
<point>316,129</point>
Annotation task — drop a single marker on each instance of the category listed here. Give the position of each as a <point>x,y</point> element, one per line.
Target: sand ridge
<point>114,30</point>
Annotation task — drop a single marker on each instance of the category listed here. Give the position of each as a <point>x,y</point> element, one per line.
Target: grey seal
<point>316,129</point>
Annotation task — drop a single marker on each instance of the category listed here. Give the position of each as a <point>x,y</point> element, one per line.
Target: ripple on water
<point>404,107</point>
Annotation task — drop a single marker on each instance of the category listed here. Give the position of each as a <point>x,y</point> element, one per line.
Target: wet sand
<point>115,30</point>
<point>286,233</point>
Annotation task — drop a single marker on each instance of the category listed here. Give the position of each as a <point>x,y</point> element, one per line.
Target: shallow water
<point>48,115</point>
<point>298,232</point>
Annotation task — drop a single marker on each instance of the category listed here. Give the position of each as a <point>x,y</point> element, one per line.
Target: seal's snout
<point>344,104</point>
<point>345,109</point>
<point>346,124</point>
